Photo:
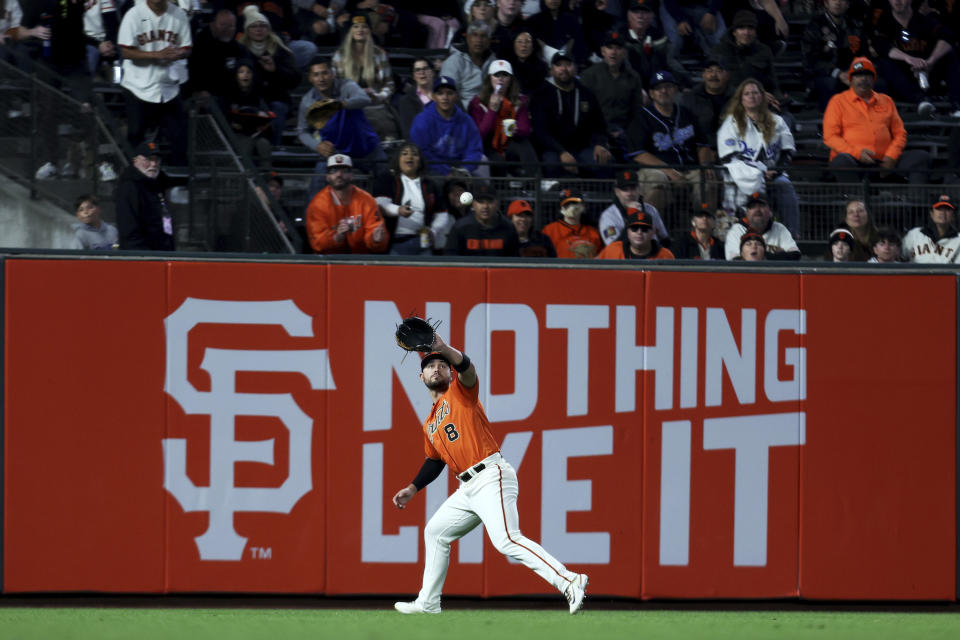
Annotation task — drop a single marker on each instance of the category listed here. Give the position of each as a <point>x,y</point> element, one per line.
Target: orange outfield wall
<point>241,427</point>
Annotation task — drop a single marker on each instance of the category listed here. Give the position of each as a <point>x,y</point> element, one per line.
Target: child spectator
<point>841,245</point>
<point>572,238</point>
<point>887,248</point>
<point>753,248</point>
<point>90,232</point>
<point>248,114</point>
<point>533,244</point>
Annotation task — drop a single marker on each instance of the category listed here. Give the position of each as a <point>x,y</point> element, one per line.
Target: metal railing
<point>229,207</point>
<point>46,123</point>
<point>822,202</point>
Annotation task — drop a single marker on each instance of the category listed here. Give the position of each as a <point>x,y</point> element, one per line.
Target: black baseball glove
<point>415,334</point>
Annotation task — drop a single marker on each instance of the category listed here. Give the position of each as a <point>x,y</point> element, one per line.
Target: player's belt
<point>471,472</point>
<point>477,468</point>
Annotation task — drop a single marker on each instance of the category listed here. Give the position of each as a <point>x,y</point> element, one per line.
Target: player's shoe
<point>411,607</point>
<point>576,592</point>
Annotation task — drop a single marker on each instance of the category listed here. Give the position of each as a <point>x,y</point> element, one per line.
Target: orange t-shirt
<point>580,241</point>
<point>615,251</point>
<point>457,430</point>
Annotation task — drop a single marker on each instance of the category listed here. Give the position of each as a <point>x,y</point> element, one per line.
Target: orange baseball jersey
<point>457,430</point>
<point>579,241</point>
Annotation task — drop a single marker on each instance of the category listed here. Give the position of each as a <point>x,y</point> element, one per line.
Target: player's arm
<point>428,473</point>
<point>467,374</point>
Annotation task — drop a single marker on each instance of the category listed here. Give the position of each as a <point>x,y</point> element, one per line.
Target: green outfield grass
<point>474,624</point>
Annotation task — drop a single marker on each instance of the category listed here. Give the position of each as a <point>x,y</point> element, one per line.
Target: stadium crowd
<point>675,104</point>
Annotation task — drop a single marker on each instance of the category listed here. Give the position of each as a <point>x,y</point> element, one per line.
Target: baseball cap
<point>484,192</point>
<point>862,65</point>
<point>704,210</point>
<point>359,17</point>
<point>519,206</point>
<point>147,148</point>
<point>752,235</point>
<point>627,178</point>
<point>638,218</point>
<point>943,202</point>
<point>841,235</point>
<point>661,77</point>
<point>569,195</point>
<point>744,18</point>
<point>613,37</point>
<point>444,81</point>
<point>500,66</point>
<point>643,5</point>
<point>339,160</point>
<point>715,61</point>
<point>756,198</point>
<point>433,355</point>
<point>561,54</point>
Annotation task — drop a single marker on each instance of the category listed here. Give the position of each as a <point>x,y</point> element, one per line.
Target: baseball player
<point>457,434</point>
<point>155,38</point>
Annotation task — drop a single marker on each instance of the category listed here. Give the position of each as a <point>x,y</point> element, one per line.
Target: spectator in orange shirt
<point>639,241</point>
<point>571,238</point>
<point>343,218</point>
<point>864,129</point>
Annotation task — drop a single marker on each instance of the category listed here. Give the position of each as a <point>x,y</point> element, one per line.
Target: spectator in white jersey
<point>937,241</point>
<point>779,244</point>
<point>626,194</point>
<point>155,41</point>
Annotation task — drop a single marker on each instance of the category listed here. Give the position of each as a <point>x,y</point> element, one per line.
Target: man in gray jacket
<point>468,68</point>
<point>346,129</point>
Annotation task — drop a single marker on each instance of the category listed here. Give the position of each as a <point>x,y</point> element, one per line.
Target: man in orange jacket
<point>863,129</point>
<point>343,218</point>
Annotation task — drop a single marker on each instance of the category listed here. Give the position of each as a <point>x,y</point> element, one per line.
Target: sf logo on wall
<point>223,404</point>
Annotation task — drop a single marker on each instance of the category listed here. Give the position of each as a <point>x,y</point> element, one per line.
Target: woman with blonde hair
<point>275,67</point>
<point>361,60</point>
<point>756,146</point>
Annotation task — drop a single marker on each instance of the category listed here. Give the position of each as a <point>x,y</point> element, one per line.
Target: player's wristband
<point>464,364</point>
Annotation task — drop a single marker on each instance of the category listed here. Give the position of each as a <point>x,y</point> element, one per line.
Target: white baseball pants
<point>489,497</point>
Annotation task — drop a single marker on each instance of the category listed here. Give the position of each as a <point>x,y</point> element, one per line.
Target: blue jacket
<point>445,142</point>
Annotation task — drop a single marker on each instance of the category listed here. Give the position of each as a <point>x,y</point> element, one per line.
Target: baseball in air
<point>466,198</point>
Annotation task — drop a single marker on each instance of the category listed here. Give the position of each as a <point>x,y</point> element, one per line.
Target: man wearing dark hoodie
<point>568,125</point>
<point>556,26</point>
<point>744,56</point>
<point>143,220</point>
